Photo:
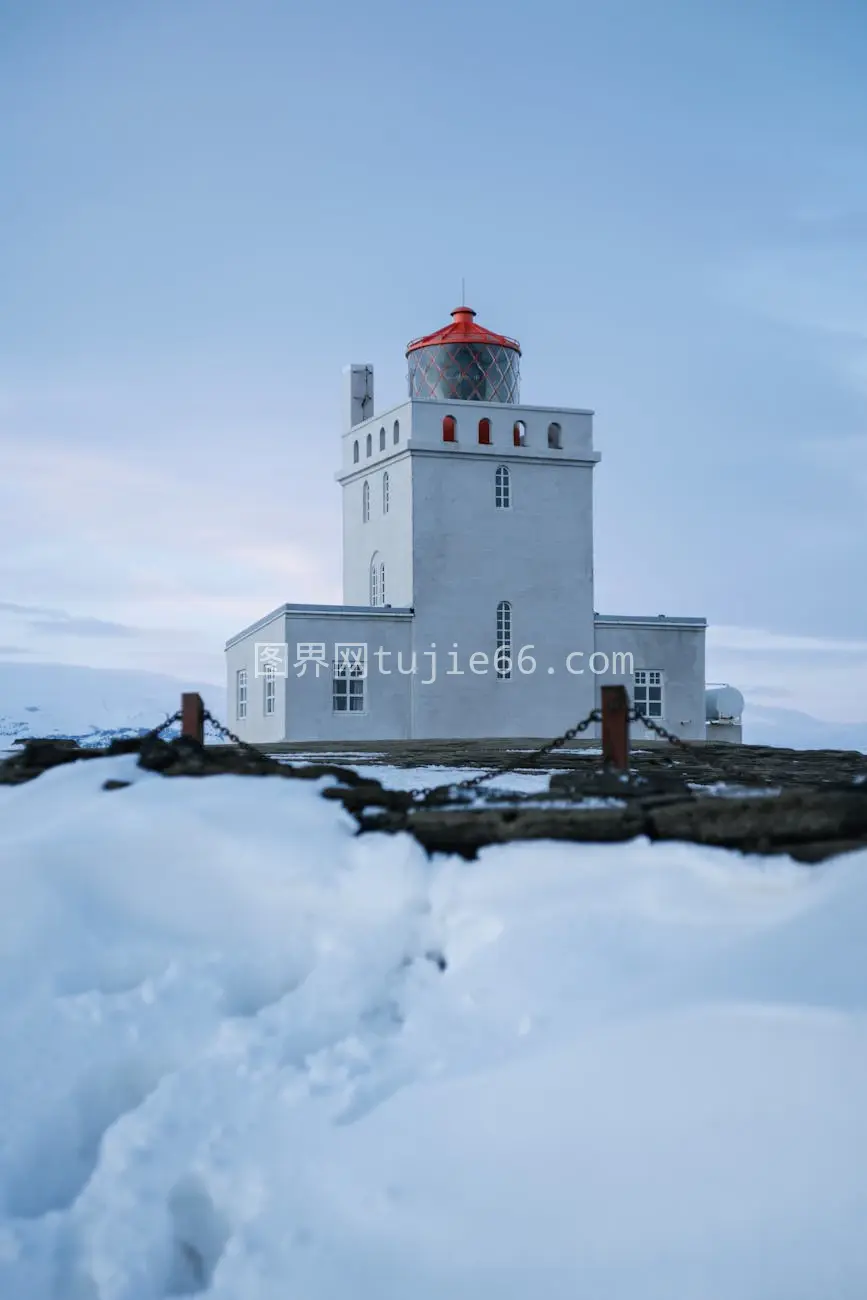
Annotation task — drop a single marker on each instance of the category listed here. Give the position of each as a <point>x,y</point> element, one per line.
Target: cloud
<point>761,641</point>
<point>10,607</point>
<point>70,626</point>
<point>57,622</point>
<point>14,650</point>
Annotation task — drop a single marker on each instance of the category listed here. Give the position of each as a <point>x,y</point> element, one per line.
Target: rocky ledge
<point>812,805</point>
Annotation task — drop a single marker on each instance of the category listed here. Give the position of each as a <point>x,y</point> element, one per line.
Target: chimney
<point>357,394</point>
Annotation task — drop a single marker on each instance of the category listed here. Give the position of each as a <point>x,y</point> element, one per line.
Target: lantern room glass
<point>467,372</point>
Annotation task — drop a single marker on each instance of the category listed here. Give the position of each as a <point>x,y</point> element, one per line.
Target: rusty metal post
<point>193,717</point>
<point>615,727</point>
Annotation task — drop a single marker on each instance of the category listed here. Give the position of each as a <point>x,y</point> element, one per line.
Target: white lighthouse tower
<point>480,518</point>
<point>467,573</point>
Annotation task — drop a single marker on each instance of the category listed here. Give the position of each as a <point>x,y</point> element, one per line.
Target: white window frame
<point>241,694</point>
<point>504,639</point>
<point>374,582</point>
<point>365,503</point>
<point>269,692</point>
<point>503,488</point>
<point>347,686</point>
<point>385,493</point>
<point>382,582</point>
<point>645,680</point>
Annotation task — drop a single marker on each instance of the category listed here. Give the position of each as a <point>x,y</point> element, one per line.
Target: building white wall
<point>257,727</point>
<point>304,708</point>
<point>469,555</point>
<point>576,427</point>
<point>674,646</point>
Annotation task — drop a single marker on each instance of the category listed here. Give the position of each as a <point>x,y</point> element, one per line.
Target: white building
<point>467,576</point>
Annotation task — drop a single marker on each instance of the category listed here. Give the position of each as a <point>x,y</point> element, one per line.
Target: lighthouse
<point>468,573</point>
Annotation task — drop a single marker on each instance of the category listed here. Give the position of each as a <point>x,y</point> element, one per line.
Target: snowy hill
<point>88,703</point>
<point>794,730</point>
<point>247,1053</point>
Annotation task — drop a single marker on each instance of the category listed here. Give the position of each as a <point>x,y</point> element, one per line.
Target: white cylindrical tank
<point>723,704</point>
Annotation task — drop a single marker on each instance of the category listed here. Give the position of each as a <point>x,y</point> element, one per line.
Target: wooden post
<point>615,727</point>
<point>193,717</point>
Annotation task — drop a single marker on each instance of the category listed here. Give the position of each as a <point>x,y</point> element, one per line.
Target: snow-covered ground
<point>231,1064</point>
<point>90,704</point>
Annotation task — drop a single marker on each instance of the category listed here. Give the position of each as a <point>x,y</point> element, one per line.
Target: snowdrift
<point>244,1054</point>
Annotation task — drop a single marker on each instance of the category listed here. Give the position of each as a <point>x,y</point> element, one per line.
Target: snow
<point>90,704</point>
<point>231,1065</point>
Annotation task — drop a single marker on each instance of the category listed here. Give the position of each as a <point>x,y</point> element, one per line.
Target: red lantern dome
<point>464,362</point>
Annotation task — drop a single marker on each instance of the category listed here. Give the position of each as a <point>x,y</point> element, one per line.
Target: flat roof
<point>648,620</point>
<point>324,611</point>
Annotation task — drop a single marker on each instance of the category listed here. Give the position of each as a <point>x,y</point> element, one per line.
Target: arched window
<point>450,429</point>
<point>374,580</point>
<point>382,438</point>
<point>485,433</point>
<point>365,502</point>
<point>370,444</point>
<point>503,657</point>
<point>355,452</point>
<point>519,434</point>
<point>385,493</point>
<point>555,436</point>
<point>502,488</point>
<point>395,437</point>
<point>382,584</point>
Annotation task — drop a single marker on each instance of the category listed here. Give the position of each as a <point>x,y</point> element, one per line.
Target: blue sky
<point>209,207</point>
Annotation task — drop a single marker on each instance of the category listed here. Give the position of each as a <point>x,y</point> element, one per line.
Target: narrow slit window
<point>503,657</point>
<point>503,488</point>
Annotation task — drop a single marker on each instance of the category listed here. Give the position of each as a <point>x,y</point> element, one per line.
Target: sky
<point>210,207</point>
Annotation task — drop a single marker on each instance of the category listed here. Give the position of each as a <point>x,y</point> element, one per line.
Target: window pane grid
<point>347,687</point>
<point>647,691</point>
<point>502,659</point>
<point>502,488</point>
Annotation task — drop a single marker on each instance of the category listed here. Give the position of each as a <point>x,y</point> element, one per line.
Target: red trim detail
<point>449,429</point>
<point>485,432</point>
<point>463,330</point>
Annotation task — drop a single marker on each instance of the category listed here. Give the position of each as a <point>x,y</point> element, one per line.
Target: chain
<point>259,754</point>
<point>157,731</point>
<point>440,793</point>
<point>700,756</point>
<point>635,715</point>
